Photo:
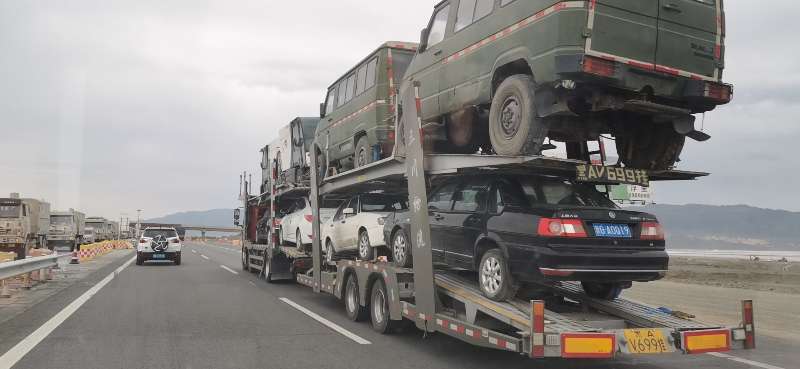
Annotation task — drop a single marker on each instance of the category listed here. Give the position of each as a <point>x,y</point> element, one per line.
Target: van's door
<point>688,36</point>
<point>625,28</point>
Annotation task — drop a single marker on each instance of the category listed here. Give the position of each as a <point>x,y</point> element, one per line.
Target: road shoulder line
<point>744,361</point>
<point>326,322</point>
<point>16,353</point>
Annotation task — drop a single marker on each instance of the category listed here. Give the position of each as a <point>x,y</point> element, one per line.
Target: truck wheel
<point>401,249</point>
<point>603,291</point>
<point>245,259</point>
<point>494,277</point>
<point>379,309</point>
<point>514,127</point>
<point>178,259</point>
<point>650,147</point>
<point>139,259</point>
<point>363,154</point>
<point>365,250</point>
<point>352,304</point>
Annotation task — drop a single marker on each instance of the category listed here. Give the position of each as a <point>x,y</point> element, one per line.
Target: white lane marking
<point>743,361</point>
<point>328,323</point>
<point>16,353</point>
<point>253,283</point>
<point>229,269</point>
<point>194,252</point>
<point>204,257</point>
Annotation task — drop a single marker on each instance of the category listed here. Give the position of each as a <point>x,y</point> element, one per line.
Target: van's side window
<point>342,93</point>
<point>438,26</point>
<point>470,11</point>
<point>361,80</point>
<point>371,68</point>
<point>351,87</point>
<point>329,103</point>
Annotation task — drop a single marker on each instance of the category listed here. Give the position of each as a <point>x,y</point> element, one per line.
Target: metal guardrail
<point>20,267</point>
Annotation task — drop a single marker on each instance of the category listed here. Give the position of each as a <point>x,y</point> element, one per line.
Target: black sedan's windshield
<point>550,191</point>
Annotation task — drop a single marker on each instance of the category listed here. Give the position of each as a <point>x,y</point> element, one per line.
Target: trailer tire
<point>651,147</point>
<point>245,260</point>
<point>603,291</point>
<point>266,269</point>
<point>139,259</point>
<point>352,300</point>
<point>401,249</point>
<point>514,126</point>
<point>379,309</point>
<point>177,260</point>
<point>365,250</point>
<point>494,277</point>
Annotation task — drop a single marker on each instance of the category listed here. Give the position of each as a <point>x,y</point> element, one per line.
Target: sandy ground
<point>765,276</point>
<point>713,288</point>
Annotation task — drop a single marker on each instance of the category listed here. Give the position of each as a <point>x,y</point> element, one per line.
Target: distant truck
<point>67,229</point>
<point>23,224</point>
<point>97,227</point>
<point>113,230</point>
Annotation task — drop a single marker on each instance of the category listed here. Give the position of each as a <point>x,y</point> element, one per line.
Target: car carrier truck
<point>557,321</point>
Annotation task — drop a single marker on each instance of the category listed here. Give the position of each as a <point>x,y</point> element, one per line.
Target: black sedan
<point>516,230</point>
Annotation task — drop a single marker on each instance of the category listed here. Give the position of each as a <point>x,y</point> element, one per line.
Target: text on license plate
<point>646,341</point>
<point>612,230</point>
<point>159,256</point>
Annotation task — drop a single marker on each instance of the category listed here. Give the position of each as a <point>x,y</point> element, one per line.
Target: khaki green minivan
<point>521,71</point>
<point>358,115</point>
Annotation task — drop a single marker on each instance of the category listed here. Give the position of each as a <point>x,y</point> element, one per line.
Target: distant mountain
<point>215,217</point>
<point>737,227</point>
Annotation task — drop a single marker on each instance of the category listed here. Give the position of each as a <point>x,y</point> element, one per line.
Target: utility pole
<point>138,223</point>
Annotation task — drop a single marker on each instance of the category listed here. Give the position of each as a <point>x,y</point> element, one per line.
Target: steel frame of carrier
<point>565,323</point>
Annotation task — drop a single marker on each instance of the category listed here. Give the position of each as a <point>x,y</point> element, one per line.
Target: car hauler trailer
<point>562,322</point>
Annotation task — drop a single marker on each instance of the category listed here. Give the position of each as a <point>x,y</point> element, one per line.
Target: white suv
<point>159,243</point>
<point>297,224</point>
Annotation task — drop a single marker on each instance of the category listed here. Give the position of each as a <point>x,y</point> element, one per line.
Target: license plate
<point>612,175</point>
<point>612,230</point>
<point>647,341</point>
<point>159,256</point>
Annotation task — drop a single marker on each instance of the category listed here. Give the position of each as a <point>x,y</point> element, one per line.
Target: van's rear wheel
<point>514,127</point>
<point>363,153</point>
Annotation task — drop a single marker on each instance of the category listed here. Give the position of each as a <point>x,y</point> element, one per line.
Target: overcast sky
<point>112,106</point>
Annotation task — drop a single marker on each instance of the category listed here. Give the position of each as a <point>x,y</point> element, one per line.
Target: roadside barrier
<point>95,250</point>
<point>30,269</point>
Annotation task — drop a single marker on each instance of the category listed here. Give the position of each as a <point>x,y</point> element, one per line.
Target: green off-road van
<point>521,71</point>
<point>358,115</point>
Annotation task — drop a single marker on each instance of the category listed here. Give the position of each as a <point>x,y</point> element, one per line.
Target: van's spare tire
<point>649,146</point>
<point>514,127</point>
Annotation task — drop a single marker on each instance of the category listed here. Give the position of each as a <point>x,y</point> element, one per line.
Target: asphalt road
<point>207,313</point>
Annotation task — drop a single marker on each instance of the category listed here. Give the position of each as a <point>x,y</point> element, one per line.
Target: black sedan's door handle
<point>438,217</point>
<point>437,53</point>
<point>672,8</point>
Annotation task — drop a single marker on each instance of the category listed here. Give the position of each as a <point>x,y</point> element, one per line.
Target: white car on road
<point>358,224</point>
<point>297,223</point>
<point>159,243</point>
